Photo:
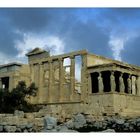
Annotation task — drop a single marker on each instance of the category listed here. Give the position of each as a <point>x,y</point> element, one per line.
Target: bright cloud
<point>51,43</point>
<point>117,45</point>
<point>4,58</point>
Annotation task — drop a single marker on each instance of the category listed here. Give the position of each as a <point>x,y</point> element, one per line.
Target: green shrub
<point>15,100</point>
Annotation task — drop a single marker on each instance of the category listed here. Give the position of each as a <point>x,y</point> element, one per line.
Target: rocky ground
<point>78,123</point>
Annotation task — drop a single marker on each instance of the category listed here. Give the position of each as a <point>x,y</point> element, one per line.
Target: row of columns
<point>133,83</point>
<point>61,78</point>
<point>50,80</point>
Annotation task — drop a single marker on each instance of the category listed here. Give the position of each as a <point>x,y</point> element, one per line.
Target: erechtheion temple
<point>105,87</point>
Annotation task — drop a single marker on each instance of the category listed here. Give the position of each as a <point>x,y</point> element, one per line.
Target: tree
<point>15,100</point>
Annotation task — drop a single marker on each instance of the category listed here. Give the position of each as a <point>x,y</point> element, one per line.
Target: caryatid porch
<point>113,78</point>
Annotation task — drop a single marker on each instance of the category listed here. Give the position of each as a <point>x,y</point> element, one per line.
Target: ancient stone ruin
<point>104,86</point>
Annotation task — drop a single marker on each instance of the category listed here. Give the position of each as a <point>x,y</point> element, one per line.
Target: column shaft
<point>83,78</point>
<point>32,73</point>
<point>89,84</point>
<point>138,85</point>
<point>112,82</point>
<point>50,81</point>
<point>100,83</point>
<point>41,96</point>
<point>121,83</point>
<point>61,80</point>
<point>72,77</point>
<point>129,84</point>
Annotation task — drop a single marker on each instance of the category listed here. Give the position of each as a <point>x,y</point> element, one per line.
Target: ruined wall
<point>127,105</point>
<point>22,75</point>
<point>98,104</point>
<point>15,74</point>
<point>112,104</point>
<point>34,122</point>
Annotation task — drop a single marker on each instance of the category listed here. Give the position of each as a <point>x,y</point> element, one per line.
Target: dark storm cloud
<point>27,20</point>
<point>125,12</point>
<point>70,26</point>
<point>8,37</point>
<point>119,15</point>
<point>131,53</point>
<point>61,22</point>
<point>14,22</point>
<point>88,36</point>
<point>129,20</point>
<point>119,20</point>
<point>78,34</point>
<point>123,22</point>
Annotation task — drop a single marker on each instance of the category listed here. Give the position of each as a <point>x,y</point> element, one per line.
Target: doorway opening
<point>5,82</point>
<point>106,81</point>
<point>94,82</point>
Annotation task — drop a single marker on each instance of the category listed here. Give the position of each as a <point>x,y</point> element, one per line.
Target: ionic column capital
<point>100,74</point>
<point>129,76</point>
<point>121,74</point>
<point>112,72</point>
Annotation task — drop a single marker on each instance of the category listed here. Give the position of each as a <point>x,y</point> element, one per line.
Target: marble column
<point>50,81</point>
<point>89,84</point>
<point>100,83</point>
<point>112,82</point>
<point>32,73</point>
<point>72,77</point>
<point>41,97</point>
<point>61,79</point>
<point>36,71</point>
<point>121,83</point>
<point>84,83</point>
<point>138,85</point>
<point>129,84</point>
<point>134,85</point>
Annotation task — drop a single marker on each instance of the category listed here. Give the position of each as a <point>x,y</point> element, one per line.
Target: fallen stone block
<point>39,122</point>
<point>79,121</point>
<point>50,122</point>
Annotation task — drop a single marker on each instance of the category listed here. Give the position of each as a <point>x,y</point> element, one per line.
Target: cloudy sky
<point>113,33</point>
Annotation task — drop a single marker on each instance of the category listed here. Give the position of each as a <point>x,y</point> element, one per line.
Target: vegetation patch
<point>17,98</point>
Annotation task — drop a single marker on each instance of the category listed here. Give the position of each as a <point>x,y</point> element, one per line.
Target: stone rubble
<point>19,122</point>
